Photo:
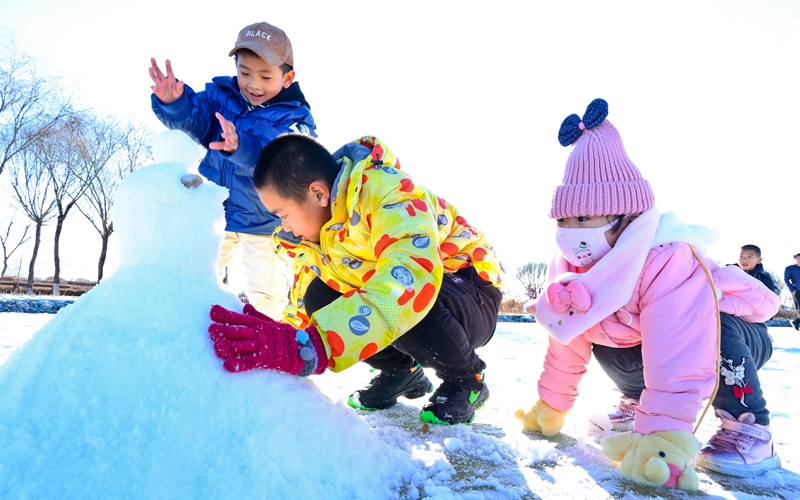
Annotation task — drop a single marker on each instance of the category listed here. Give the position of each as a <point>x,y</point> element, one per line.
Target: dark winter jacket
<point>792,277</point>
<point>763,276</point>
<point>193,113</point>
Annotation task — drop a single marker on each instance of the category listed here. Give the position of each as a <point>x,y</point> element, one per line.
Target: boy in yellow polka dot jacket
<point>385,272</point>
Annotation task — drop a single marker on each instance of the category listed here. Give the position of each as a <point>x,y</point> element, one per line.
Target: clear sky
<point>470,96</point>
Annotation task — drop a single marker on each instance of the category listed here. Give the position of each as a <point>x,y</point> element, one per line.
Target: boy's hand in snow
<point>167,88</point>
<point>253,340</point>
<point>230,139</point>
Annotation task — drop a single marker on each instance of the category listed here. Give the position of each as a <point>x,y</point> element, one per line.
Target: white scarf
<point>611,281</point>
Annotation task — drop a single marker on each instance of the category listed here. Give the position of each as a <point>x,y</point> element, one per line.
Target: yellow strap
<point>719,336</point>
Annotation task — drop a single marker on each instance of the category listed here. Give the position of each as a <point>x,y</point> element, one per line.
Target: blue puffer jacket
<point>791,275</point>
<point>193,113</point>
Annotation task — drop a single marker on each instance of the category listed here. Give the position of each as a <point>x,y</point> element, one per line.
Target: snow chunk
<point>453,444</point>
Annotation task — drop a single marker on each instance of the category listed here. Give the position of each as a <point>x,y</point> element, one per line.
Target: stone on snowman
<point>120,395</point>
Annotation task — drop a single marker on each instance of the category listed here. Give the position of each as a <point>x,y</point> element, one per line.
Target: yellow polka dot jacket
<point>386,247</point>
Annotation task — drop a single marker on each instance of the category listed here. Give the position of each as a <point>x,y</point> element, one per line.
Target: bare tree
<point>31,184</point>
<point>787,301</point>
<point>533,276</point>
<point>117,150</point>
<point>9,247</point>
<point>30,104</point>
<point>60,152</point>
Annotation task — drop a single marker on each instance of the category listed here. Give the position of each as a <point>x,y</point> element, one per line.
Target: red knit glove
<point>253,340</point>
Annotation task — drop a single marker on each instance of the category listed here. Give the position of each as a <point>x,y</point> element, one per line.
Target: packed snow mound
<point>153,210</point>
<point>173,146</point>
<point>121,396</point>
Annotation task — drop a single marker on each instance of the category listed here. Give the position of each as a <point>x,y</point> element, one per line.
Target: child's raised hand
<point>167,88</point>
<point>230,138</point>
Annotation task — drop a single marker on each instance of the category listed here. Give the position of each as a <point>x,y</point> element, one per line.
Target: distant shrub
<point>512,305</point>
<point>786,313</point>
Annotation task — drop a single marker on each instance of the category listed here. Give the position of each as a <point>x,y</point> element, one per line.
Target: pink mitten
<point>573,295</point>
<point>253,340</point>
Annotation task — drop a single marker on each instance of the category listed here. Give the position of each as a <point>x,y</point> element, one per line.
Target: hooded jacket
<point>653,288</point>
<point>386,247</point>
<point>193,113</point>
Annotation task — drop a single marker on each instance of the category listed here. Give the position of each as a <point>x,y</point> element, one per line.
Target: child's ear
<point>321,193</point>
<point>288,78</point>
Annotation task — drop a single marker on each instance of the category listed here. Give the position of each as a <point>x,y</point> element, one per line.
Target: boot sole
<point>622,426</point>
<point>740,470</point>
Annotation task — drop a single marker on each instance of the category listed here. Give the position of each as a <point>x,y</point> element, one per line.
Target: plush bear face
<point>660,458</point>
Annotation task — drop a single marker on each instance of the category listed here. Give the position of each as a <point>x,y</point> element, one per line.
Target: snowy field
<point>120,396</point>
<point>492,458</point>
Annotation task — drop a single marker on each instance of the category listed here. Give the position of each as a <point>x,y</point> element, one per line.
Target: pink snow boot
<point>624,414</point>
<point>740,448</point>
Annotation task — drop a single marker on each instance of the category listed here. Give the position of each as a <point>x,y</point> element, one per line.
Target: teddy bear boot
<point>740,447</point>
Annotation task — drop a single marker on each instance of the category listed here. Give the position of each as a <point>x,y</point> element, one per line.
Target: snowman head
<point>163,222</point>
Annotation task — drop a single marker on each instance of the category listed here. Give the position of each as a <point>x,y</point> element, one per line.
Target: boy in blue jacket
<point>234,118</point>
<point>791,276</point>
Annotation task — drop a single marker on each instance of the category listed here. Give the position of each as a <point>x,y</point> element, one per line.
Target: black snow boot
<point>384,389</point>
<point>455,401</point>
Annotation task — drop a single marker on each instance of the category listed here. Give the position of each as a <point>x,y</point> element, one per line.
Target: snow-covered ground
<point>492,458</point>
<point>119,395</point>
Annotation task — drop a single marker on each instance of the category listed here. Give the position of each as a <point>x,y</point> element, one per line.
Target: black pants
<point>462,319</point>
<point>742,345</point>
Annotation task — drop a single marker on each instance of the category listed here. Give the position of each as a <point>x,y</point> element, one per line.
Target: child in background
<point>791,276</point>
<point>385,272</point>
<point>631,286</point>
<point>234,118</point>
<point>750,262</point>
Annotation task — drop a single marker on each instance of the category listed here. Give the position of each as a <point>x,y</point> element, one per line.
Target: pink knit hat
<point>600,179</point>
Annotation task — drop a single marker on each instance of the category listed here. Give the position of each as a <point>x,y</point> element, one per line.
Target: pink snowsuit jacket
<point>671,313</point>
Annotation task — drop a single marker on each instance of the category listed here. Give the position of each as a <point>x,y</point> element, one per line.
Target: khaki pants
<point>265,272</point>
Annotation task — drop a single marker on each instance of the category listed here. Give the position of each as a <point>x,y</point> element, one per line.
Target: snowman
<point>120,395</point>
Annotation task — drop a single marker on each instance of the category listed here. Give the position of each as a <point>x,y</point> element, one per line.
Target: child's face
<point>305,220</point>
<point>748,260</point>
<point>259,81</point>
<point>586,221</point>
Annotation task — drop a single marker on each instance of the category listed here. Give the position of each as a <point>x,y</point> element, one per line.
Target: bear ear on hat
<point>573,126</point>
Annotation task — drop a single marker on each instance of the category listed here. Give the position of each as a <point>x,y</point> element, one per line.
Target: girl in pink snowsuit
<point>632,286</point>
